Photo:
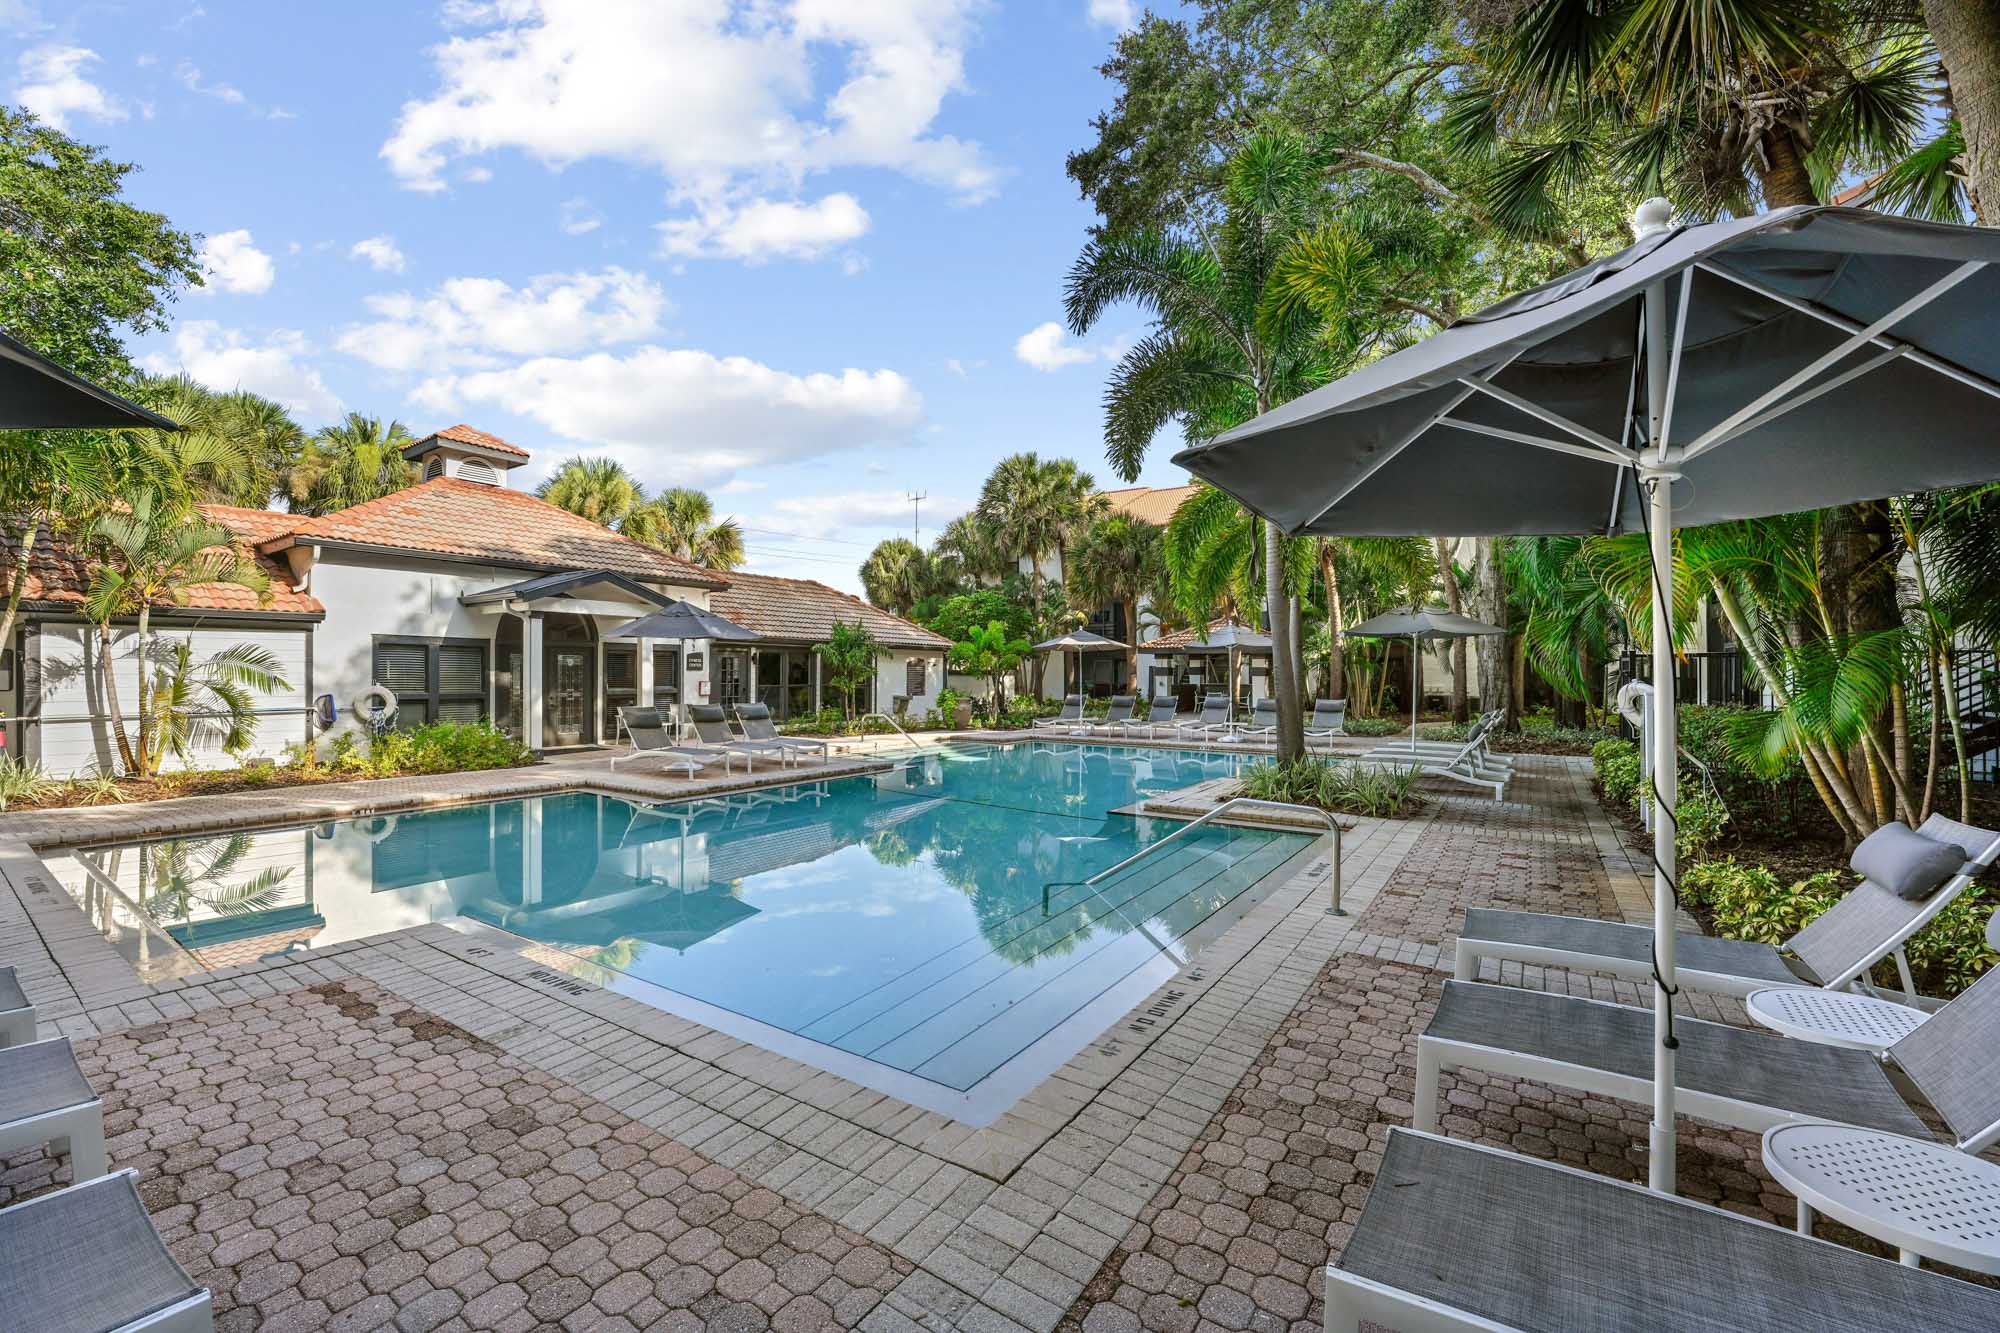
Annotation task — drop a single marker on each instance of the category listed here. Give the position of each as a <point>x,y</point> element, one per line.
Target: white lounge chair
<point>1329,719</point>
<point>44,1098</point>
<point>1737,1076</point>
<point>1159,713</point>
<point>1479,739</point>
<point>1263,723</point>
<point>1834,951</point>
<point>755,719</point>
<point>652,739</point>
<point>88,1258</point>
<point>1116,714</point>
<point>17,1016</point>
<point>711,728</point>
<point>1071,714</point>
<point>1463,765</point>
<point>1461,1237</point>
<point>1213,722</point>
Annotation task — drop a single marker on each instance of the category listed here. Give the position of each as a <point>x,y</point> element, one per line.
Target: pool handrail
<point>1312,811</point>
<point>915,744</point>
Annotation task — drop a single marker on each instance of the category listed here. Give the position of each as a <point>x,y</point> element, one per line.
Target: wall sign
<point>694,661</point>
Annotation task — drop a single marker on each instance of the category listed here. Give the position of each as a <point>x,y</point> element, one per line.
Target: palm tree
<point>199,702</point>
<point>47,478</point>
<point>1245,318</point>
<point>1117,560</point>
<point>681,521</point>
<point>599,489</point>
<point>896,575</point>
<point>1032,506</point>
<point>360,459</point>
<point>152,554</point>
<point>967,550</point>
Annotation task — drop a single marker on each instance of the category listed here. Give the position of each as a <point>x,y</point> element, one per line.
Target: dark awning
<point>38,394</point>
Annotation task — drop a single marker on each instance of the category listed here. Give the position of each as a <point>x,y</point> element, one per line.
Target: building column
<point>817,666</point>
<point>645,672</point>
<point>531,680</point>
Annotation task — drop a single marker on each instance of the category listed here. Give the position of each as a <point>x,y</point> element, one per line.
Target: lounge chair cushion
<point>86,1259</point>
<point>40,1077</point>
<point>1760,1068</point>
<point>1631,945</point>
<point>11,995</point>
<point>1540,1247</point>
<point>1952,1058</point>
<point>1905,862</point>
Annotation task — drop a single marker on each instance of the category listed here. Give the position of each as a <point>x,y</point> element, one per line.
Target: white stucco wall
<point>62,688</point>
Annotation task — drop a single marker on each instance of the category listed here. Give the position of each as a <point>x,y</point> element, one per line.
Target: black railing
<point>1699,678</point>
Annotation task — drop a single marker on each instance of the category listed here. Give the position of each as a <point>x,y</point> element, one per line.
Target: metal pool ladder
<point>1235,802</point>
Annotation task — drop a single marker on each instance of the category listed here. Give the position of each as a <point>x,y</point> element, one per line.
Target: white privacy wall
<point>73,737</point>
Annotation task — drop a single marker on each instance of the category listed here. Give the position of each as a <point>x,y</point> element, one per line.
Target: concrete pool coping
<point>1013,1216</point>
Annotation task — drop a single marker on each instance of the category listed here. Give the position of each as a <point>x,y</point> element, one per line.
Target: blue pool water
<point>897,917</point>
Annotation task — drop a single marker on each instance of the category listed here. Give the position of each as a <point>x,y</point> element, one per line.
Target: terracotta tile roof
<point>1187,638</point>
<point>59,574</point>
<point>1148,504</point>
<point>803,611</point>
<point>470,521</point>
<point>479,439</point>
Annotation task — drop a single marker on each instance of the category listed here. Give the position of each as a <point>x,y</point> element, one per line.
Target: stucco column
<point>531,679</point>
<point>645,676</point>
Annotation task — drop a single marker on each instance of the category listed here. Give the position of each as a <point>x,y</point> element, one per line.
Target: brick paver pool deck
<point>445,1129</point>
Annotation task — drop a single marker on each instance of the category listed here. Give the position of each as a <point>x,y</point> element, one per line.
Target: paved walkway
<point>437,1128</point>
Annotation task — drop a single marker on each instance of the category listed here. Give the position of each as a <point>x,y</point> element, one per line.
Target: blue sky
<point>797,252</point>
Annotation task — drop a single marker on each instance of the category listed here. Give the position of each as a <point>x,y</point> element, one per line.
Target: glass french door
<point>566,707</point>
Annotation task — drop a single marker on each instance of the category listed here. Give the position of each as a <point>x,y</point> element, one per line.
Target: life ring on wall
<point>376,706</point>
<point>374,828</point>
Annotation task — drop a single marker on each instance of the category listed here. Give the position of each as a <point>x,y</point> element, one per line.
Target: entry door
<point>566,707</point>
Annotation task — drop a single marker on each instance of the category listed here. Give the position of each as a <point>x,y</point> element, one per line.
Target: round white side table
<point>1926,1199</point>
<point>1834,1018</point>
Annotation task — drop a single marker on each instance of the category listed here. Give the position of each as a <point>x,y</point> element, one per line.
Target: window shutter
<point>913,677</point>
<point>461,669</point>
<point>401,667</point>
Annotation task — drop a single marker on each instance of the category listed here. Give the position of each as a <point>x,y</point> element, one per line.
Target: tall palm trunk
<point>1336,621</point>
<point>108,675</point>
<point>19,581</point>
<point>1783,173</point>
<point>1449,575</point>
<point>144,701</point>
<point>1967,33</point>
<point>1497,674</point>
<point>1291,733</point>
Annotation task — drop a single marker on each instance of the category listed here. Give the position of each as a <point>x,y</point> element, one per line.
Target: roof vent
<point>434,468</point>
<point>477,470</point>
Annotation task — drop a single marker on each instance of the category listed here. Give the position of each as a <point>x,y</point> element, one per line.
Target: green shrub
<point>1699,820</point>
<point>23,780</point>
<point>1616,764</point>
<point>1373,726</point>
<point>1383,791</point>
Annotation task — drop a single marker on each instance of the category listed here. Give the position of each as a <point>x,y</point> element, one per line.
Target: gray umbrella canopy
<point>38,394</point>
<point>1515,420</point>
<point>684,620</point>
<point>1787,361</point>
<point>1429,623</point>
<point>1077,640</point>
<point>1235,634</point>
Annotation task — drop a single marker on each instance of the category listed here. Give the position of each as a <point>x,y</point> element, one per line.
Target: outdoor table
<point>1834,1018</point>
<point>1926,1199</point>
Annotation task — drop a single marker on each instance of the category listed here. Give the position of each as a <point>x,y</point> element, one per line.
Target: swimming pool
<point>929,919</point>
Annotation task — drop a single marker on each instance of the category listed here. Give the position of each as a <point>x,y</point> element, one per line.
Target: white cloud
<point>53,86</point>
<point>679,415</point>
<point>190,77</point>
<point>224,359</point>
<point>476,323</point>
<point>764,229</point>
<point>730,102</point>
<point>578,218</point>
<point>381,254</point>
<point>1116,14</point>
<point>817,515</point>
<point>230,263</point>
<point>1046,348</point>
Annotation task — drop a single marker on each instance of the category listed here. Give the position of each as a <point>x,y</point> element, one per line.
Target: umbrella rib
<point>1604,443</point>
<point>1389,454</point>
<point>1764,419</point>
<point>1722,429</point>
<point>1595,455</point>
<point>1674,362</point>
<point>1917,355</point>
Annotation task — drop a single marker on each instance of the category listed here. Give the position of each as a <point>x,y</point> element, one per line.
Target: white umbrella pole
<point>1416,690</point>
<point>1666,742</point>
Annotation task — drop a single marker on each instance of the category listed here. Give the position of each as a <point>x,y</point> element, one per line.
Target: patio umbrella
<point>1792,360</point>
<point>684,620</point>
<point>1078,641</point>
<point>1235,638</point>
<point>1429,623</point>
<point>38,394</point>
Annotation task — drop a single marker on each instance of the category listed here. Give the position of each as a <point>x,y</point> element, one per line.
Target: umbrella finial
<point>1655,215</point>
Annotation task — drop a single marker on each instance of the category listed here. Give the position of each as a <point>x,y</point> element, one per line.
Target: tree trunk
<point>1452,599</point>
<point>1858,584</point>
<point>1967,33</point>
<point>1785,180</point>
<point>1131,605</point>
<point>110,681</point>
<point>144,702</point>
<point>19,583</point>
<point>1291,727</point>
<point>1495,671</point>
<point>1336,621</point>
